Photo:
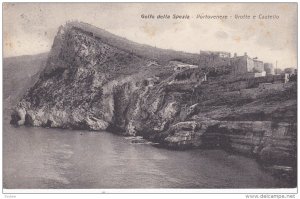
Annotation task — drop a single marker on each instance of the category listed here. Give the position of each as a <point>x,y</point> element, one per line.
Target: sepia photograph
<point>119,97</point>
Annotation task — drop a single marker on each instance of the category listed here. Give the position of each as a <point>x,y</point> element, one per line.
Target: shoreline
<point>285,173</point>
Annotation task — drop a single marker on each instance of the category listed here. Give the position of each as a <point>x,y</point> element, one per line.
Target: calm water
<point>53,158</point>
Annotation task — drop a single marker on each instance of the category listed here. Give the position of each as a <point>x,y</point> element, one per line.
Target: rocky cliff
<point>95,81</point>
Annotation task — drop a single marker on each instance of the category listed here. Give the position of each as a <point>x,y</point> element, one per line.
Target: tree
<point>289,70</point>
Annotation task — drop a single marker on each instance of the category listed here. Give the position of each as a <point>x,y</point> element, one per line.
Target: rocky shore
<point>95,83</point>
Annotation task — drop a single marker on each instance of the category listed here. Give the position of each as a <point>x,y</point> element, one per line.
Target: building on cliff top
<point>214,59</point>
<point>244,65</point>
<point>222,54</point>
<point>268,67</point>
<point>237,65</point>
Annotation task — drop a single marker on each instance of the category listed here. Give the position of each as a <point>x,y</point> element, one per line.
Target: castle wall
<point>250,64</point>
<point>258,66</point>
<point>214,59</point>
<point>239,65</point>
<point>268,67</point>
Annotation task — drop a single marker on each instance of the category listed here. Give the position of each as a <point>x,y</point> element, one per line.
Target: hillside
<point>19,73</point>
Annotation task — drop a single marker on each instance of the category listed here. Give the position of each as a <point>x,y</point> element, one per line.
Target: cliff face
<point>91,83</point>
<point>235,116</point>
<point>74,89</point>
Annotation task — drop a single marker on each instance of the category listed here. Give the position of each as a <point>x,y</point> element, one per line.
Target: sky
<point>30,28</point>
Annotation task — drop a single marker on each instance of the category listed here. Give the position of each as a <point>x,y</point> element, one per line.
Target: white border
<point>92,193</point>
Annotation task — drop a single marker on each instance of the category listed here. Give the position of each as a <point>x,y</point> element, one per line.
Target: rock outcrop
<point>91,83</point>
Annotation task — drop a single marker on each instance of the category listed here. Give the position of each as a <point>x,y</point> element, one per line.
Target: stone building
<point>258,66</point>
<point>214,59</point>
<point>268,67</point>
<point>241,64</point>
<point>246,65</point>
